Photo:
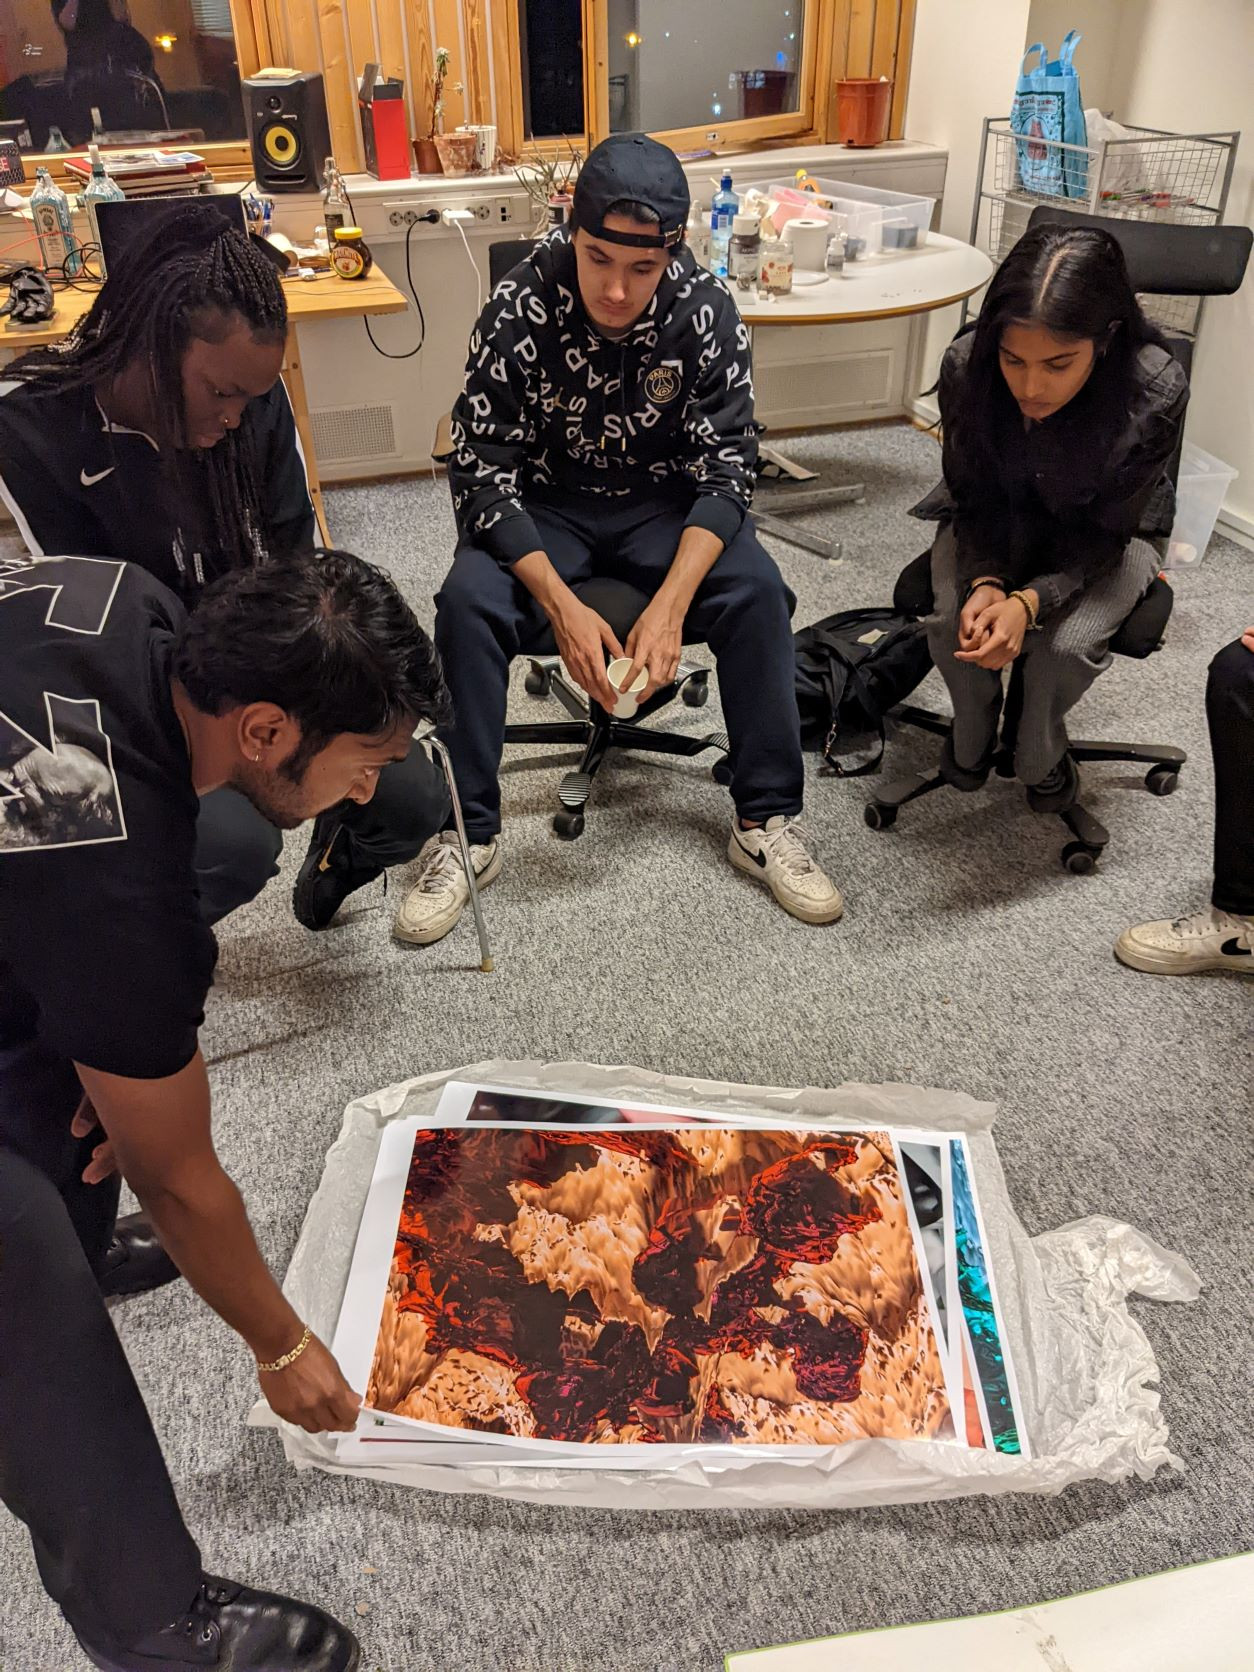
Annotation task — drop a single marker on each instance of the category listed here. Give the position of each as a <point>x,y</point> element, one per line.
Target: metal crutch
<point>442,755</point>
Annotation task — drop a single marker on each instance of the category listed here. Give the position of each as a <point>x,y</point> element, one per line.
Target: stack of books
<point>151,173</point>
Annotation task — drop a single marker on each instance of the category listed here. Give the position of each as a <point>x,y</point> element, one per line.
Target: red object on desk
<point>384,128</point>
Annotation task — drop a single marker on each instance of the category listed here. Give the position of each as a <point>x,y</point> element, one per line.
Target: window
<point>144,72</point>
<point>552,64</point>
<point>677,64</point>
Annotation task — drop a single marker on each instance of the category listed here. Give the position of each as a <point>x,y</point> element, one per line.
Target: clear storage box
<point>1201,487</point>
<point>886,221</point>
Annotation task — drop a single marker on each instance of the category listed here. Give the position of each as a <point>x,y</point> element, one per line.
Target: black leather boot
<point>230,1625</point>
<point>135,1261</point>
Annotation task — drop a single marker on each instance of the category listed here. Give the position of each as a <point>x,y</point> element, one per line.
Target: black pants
<point>485,617</point>
<point>1230,714</point>
<point>79,1462</point>
<point>237,850</point>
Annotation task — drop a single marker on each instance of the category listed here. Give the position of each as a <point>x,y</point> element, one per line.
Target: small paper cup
<point>628,701</point>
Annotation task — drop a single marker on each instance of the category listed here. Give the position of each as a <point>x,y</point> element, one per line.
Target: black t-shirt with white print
<point>100,922</point>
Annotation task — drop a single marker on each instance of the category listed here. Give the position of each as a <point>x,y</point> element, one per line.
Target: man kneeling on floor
<point>606,428</point>
<point>294,683</point>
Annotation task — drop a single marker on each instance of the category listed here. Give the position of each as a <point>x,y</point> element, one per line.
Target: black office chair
<point>1164,260</point>
<point>593,726</point>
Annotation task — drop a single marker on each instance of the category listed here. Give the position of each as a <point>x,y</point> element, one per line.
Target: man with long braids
<point>159,432</point>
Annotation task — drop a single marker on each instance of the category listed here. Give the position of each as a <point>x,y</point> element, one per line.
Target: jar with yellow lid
<point>350,255</point>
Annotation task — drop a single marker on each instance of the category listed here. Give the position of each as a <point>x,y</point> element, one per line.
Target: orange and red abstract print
<point>632,1286</point>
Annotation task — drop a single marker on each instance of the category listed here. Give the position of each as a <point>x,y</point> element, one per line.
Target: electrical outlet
<point>487,211</point>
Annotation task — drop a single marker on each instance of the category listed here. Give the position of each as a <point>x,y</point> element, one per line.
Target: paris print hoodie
<point>552,407</point>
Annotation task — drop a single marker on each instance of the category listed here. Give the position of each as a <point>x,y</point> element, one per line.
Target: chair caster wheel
<point>878,816</point>
<point>721,773</point>
<point>1079,858</point>
<point>696,693</point>
<point>568,825</point>
<point>1161,780</point>
<point>538,683</point>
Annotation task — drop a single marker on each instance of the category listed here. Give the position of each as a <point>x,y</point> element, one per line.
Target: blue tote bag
<point>1047,113</point>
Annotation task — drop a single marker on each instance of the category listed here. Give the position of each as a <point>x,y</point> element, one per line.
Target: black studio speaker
<point>288,131</point>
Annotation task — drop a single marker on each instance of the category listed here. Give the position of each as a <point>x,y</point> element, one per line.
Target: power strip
<point>494,211</point>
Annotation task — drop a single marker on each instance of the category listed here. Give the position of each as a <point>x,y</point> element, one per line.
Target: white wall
<point>1188,66</point>
<point>966,56</point>
<point>1182,65</point>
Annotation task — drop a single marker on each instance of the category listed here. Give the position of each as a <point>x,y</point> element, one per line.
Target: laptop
<point>119,224</point>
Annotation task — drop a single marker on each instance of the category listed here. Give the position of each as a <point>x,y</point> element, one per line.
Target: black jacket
<point>549,403</point>
<point>1065,496</point>
<point>78,487</point>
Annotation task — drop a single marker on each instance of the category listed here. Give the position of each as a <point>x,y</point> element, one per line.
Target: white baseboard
<point>1236,525</point>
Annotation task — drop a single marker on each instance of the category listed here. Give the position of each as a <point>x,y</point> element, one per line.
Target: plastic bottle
<point>723,208</point>
<point>50,209</point>
<point>698,238</point>
<point>744,251</point>
<point>101,188</point>
<point>334,201</point>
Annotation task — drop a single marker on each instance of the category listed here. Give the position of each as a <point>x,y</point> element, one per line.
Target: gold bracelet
<point>288,1358</point>
<point>1027,609</point>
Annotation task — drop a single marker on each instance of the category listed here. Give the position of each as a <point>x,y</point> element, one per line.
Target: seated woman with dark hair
<point>1061,410</point>
<point>159,432</point>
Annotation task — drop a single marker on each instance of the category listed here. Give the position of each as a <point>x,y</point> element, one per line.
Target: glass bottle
<point>50,210</point>
<point>334,201</point>
<point>744,251</point>
<point>775,266</point>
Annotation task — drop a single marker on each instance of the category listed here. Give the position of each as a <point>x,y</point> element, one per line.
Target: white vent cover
<point>347,434</point>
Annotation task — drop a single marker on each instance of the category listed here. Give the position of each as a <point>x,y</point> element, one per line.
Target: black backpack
<point>851,669</point>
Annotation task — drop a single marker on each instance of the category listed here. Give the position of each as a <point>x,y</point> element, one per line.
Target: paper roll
<point>808,237</point>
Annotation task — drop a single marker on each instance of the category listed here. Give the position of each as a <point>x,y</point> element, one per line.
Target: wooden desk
<point>308,301</point>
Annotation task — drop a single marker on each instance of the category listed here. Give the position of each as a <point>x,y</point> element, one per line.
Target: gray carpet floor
<point>967,958</point>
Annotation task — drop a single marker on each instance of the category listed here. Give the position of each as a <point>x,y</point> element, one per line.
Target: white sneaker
<point>1209,940</point>
<point>777,854</point>
<point>441,894</point>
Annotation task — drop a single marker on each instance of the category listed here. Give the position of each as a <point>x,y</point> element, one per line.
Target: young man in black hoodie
<point>606,428</point>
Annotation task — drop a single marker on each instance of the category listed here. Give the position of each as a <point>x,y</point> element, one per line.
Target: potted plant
<point>549,183</point>
<point>428,150</point>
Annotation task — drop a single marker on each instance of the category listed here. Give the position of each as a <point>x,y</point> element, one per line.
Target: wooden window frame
<point>804,125</point>
<point>842,37</point>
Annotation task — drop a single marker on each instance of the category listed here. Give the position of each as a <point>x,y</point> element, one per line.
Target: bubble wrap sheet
<point>1085,1367</point>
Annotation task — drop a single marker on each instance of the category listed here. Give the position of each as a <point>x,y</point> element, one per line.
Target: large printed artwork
<point>648,1286</point>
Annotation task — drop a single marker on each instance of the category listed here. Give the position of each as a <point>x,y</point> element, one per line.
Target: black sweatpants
<point>237,850</point>
<point>1230,714</point>
<point>485,617</point>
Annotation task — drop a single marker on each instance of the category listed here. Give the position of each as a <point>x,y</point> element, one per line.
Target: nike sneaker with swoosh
<point>1209,940</point>
<point>778,855</point>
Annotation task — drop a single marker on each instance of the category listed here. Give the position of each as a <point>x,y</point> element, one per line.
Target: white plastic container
<point>858,211</point>
<point>1201,486</point>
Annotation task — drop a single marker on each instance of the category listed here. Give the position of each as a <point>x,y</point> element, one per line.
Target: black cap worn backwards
<point>635,169</point>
